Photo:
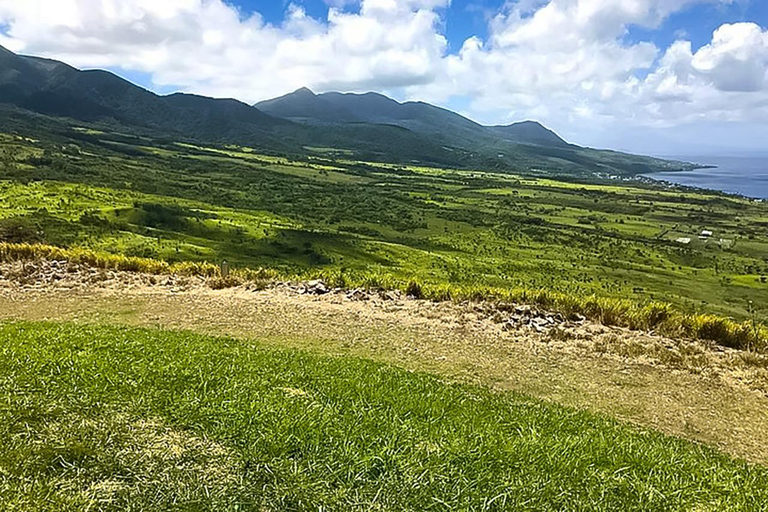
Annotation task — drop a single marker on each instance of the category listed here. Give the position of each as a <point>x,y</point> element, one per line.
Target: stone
<point>358,294</point>
<point>523,310</point>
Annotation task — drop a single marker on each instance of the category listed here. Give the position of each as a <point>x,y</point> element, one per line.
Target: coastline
<point>733,176</point>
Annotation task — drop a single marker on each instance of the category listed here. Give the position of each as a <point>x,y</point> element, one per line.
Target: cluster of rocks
<point>316,287</point>
<point>532,318</point>
<point>319,287</point>
<point>362,294</point>
<point>45,273</point>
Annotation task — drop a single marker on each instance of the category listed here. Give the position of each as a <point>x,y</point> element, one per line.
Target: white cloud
<point>209,47</point>
<point>736,59</point>
<point>565,62</point>
<point>725,80</point>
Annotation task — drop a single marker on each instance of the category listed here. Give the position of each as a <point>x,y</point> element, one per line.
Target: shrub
<point>18,230</point>
<point>414,290</point>
<point>220,283</point>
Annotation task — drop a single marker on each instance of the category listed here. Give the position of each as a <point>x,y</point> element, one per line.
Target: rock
<point>523,310</point>
<point>390,295</point>
<point>316,287</point>
<point>358,294</point>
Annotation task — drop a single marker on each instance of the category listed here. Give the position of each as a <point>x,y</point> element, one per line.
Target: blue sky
<point>467,18</point>
<point>652,76</point>
<point>462,20</point>
<point>699,21</point>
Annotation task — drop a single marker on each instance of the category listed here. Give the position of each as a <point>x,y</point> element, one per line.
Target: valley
<point>385,223</point>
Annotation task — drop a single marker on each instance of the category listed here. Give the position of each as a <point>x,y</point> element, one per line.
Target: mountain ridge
<point>370,126</point>
<point>305,106</point>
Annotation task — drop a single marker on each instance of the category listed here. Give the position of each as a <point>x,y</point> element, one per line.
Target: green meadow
<point>173,201</point>
<point>109,418</point>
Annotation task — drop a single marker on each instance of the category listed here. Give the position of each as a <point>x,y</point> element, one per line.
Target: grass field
<point>98,417</point>
<point>181,202</point>
<point>115,418</point>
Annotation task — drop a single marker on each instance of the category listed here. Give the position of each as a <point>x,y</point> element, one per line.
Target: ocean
<point>747,176</point>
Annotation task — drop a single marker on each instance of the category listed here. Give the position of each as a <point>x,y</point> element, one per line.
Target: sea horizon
<point>742,175</point>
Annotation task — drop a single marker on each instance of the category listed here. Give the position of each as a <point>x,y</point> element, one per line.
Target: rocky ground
<point>683,387</point>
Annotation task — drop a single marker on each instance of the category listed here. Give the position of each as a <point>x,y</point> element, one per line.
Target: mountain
<point>304,106</point>
<point>529,132</point>
<point>369,126</point>
<point>56,89</point>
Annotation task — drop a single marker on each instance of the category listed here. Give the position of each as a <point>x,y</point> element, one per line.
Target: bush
<point>414,290</point>
<point>18,230</point>
<point>220,283</point>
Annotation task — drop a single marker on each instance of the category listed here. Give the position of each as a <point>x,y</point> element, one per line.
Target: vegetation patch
<point>125,418</point>
<point>664,318</point>
<point>608,250</point>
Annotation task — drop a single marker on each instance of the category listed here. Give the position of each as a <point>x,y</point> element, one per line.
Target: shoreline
<point>653,177</point>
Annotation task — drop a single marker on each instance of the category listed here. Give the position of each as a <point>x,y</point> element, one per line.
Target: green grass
<point>440,227</point>
<point>128,419</point>
<point>748,335</point>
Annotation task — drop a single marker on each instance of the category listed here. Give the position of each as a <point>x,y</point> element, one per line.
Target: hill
<point>304,106</point>
<point>529,132</point>
<point>56,89</point>
<point>369,126</point>
<point>525,145</point>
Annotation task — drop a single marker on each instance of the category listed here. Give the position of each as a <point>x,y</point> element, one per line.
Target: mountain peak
<point>303,91</point>
<point>303,105</point>
<point>529,132</point>
<point>528,123</point>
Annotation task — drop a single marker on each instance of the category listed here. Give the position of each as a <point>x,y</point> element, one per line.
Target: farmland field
<point>181,202</point>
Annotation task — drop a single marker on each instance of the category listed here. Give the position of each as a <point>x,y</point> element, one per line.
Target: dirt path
<point>683,388</point>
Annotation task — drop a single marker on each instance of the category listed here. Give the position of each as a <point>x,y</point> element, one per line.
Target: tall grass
<point>657,316</point>
<point>21,252</point>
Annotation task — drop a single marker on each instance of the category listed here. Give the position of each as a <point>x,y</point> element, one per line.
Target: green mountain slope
<point>529,132</point>
<point>519,146</point>
<point>56,89</point>
<point>368,126</point>
<point>336,108</point>
<point>372,108</point>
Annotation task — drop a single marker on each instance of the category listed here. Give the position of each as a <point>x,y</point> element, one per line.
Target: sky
<point>662,77</point>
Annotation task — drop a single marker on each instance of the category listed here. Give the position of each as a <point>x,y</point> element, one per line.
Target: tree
<point>8,158</point>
